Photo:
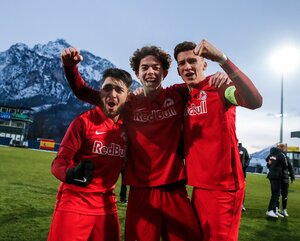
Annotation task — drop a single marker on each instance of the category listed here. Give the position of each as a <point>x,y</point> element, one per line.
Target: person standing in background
<point>287,173</point>
<point>276,162</point>
<point>245,160</point>
<point>123,189</point>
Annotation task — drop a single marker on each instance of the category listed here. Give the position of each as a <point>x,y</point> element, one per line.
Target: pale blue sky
<point>247,31</point>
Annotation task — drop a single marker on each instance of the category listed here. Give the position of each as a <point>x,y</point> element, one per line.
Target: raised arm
<point>246,93</point>
<point>70,58</point>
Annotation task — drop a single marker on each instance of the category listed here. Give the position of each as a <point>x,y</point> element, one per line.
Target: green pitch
<point>28,196</point>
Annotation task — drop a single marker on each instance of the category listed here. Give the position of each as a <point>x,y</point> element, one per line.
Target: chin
<point>111,114</point>
<point>187,81</point>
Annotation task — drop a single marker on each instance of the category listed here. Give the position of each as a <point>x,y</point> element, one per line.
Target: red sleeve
<point>69,146</point>
<point>80,88</point>
<point>182,89</point>
<point>246,93</point>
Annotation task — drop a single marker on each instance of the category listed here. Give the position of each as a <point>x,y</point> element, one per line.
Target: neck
<point>115,118</point>
<point>191,86</point>
<point>152,94</point>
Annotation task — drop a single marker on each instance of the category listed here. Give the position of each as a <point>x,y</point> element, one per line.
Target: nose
<point>113,93</point>
<point>187,66</point>
<point>150,70</point>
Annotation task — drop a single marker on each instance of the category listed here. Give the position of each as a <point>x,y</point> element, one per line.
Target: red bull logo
<point>112,150</point>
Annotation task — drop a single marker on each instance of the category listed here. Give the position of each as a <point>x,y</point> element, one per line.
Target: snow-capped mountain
<point>34,77</point>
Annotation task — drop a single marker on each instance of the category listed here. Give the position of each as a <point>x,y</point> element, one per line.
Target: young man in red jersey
<point>212,158</point>
<point>88,165</point>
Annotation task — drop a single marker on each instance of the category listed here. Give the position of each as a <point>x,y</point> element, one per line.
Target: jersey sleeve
<point>80,88</point>
<point>69,146</point>
<point>245,94</point>
<point>181,89</point>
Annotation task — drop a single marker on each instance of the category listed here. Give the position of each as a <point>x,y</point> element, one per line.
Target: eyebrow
<point>188,59</point>
<point>150,65</point>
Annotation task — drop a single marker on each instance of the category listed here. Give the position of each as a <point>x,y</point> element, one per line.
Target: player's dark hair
<point>120,74</point>
<point>155,51</point>
<point>182,47</point>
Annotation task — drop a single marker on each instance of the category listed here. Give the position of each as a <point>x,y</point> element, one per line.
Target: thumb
<point>78,58</point>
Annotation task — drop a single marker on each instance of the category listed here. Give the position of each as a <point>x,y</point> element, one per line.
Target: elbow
<point>257,103</point>
<point>56,172</point>
<point>53,169</point>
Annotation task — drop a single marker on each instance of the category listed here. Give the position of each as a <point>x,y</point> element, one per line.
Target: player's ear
<point>165,73</point>
<point>204,65</point>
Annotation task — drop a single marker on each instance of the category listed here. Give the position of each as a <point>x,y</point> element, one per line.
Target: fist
<point>71,56</point>
<point>81,175</point>
<point>206,50</point>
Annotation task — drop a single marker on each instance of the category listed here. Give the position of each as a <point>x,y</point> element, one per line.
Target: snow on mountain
<point>28,73</point>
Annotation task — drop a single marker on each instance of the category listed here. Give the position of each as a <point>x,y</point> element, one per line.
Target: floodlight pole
<point>281,111</point>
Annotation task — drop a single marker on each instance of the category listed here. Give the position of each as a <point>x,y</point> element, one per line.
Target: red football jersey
<point>154,129</point>
<point>212,157</point>
<point>91,136</point>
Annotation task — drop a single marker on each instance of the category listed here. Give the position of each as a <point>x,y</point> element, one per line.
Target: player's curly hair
<point>182,47</point>
<point>157,52</point>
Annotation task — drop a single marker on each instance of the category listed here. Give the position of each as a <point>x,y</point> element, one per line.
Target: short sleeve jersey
<point>212,157</point>
<point>154,129</point>
<point>91,136</point>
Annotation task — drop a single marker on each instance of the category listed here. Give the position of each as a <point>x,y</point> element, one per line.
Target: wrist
<point>223,59</point>
<point>69,175</point>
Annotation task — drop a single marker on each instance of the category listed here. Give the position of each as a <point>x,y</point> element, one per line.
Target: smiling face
<point>113,97</point>
<point>191,67</point>
<point>151,74</point>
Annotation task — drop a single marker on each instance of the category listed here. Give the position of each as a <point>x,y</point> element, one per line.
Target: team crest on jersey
<point>202,95</point>
<point>124,136</point>
<point>168,102</point>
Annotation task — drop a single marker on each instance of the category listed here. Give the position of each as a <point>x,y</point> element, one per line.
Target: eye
<point>181,63</point>
<point>156,67</point>
<point>144,68</point>
<point>119,89</point>
<point>192,61</point>
<point>108,88</point>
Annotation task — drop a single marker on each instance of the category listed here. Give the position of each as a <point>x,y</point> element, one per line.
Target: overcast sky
<point>248,32</point>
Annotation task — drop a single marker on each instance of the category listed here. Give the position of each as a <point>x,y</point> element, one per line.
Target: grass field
<point>28,195</point>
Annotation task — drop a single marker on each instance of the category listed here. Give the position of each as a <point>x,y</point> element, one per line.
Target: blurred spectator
<point>245,160</point>
<point>287,173</point>
<point>276,162</point>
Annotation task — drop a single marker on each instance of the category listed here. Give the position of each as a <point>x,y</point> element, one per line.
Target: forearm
<point>247,94</point>
<point>59,168</point>
<point>79,87</point>
<point>69,146</point>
